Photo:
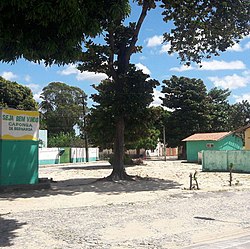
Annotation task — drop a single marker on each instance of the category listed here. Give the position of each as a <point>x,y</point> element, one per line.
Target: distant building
<point>159,151</point>
<point>245,130</point>
<point>219,141</point>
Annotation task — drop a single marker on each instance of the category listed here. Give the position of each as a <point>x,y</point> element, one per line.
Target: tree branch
<point>111,55</point>
<point>143,14</point>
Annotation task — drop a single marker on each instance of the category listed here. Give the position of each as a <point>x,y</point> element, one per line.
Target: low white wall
<point>93,154</point>
<point>51,155</point>
<point>48,156</point>
<point>77,155</point>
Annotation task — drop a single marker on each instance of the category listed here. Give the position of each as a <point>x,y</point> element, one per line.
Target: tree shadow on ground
<point>96,185</point>
<point>87,167</point>
<point>161,158</point>
<point>94,167</point>
<point>8,229</point>
<point>109,187</point>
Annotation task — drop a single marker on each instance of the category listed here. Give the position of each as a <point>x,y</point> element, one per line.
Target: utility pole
<point>164,142</point>
<point>84,106</point>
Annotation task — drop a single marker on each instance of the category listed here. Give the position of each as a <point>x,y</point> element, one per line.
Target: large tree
<point>62,106</point>
<point>201,28</point>
<point>188,100</point>
<point>129,101</point>
<point>218,108</point>
<point>14,95</point>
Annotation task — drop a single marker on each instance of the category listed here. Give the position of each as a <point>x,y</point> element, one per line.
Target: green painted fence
<point>221,160</point>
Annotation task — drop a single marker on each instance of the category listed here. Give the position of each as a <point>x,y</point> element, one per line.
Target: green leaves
<point>129,98</point>
<point>187,98</point>
<point>14,95</point>
<point>52,31</point>
<point>65,140</point>
<point>204,28</point>
<point>62,107</point>
<point>218,109</point>
<point>239,115</point>
<point>134,93</point>
<point>183,92</point>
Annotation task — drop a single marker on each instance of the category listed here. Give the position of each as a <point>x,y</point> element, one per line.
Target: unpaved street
<point>157,212</point>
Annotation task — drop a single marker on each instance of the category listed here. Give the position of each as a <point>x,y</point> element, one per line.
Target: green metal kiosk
<point>18,147</point>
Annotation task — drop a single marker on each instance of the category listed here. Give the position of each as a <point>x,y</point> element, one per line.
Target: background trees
<point>188,100</point>
<point>153,123</point>
<point>218,109</point>
<point>14,95</point>
<point>239,114</point>
<point>62,107</point>
<point>65,140</point>
<point>194,109</point>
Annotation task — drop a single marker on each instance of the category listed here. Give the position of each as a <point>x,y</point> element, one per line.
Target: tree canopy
<point>205,27</point>
<point>52,31</point>
<point>132,100</point>
<point>188,100</point>
<point>61,107</point>
<point>14,95</point>
<point>239,115</point>
<point>218,109</point>
<point>153,131</point>
<point>65,140</point>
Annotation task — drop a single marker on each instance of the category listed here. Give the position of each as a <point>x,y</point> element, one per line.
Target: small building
<point>245,131</point>
<point>247,137</point>
<point>219,141</point>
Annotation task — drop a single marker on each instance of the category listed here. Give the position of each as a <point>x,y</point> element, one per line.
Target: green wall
<point>18,162</point>
<point>65,157</point>
<point>230,142</point>
<point>49,161</point>
<point>221,160</point>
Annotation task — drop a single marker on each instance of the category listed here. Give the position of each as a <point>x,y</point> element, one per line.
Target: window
<point>210,145</point>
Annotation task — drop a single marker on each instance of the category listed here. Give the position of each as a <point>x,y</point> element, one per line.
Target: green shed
<point>211,141</point>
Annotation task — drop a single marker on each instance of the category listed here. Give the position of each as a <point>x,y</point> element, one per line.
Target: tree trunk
<point>119,172</point>
<point>123,59</point>
<point>138,150</point>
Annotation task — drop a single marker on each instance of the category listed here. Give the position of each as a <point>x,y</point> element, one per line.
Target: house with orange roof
<point>219,141</point>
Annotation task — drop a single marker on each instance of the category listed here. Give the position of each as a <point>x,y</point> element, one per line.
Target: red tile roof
<point>207,136</point>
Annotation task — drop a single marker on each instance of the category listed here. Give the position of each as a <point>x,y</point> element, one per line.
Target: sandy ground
<point>158,211</point>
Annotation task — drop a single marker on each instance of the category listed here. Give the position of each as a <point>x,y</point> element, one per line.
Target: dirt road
<point>157,212</point>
